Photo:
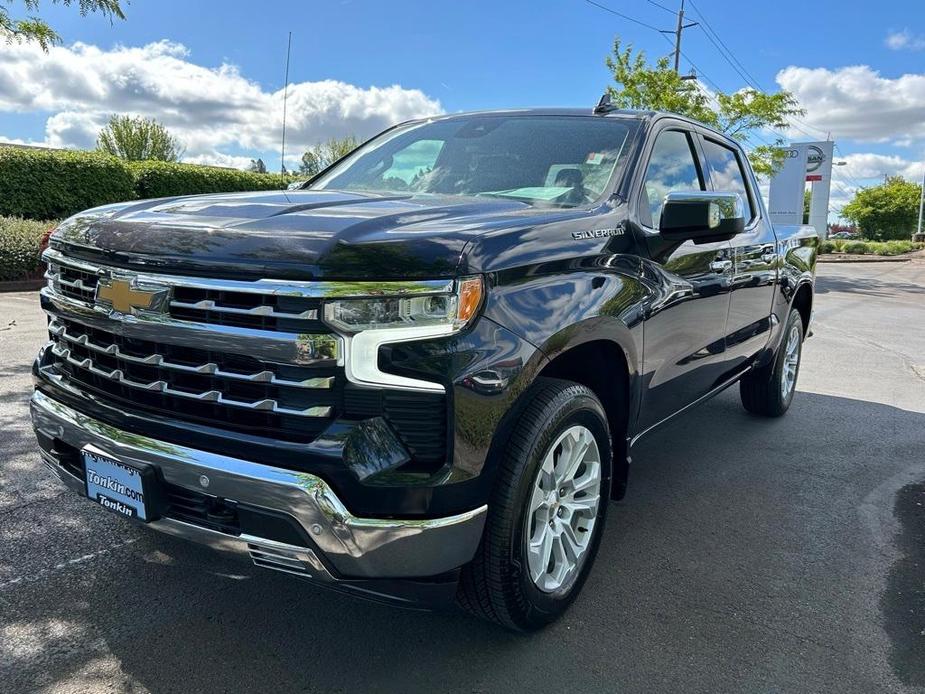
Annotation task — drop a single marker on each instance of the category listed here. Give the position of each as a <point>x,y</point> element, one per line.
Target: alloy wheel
<point>563,509</point>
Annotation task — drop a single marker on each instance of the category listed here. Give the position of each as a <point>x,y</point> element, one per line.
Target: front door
<point>685,326</point>
<point>755,258</point>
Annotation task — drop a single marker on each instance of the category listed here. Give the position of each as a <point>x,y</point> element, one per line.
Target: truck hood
<point>293,234</point>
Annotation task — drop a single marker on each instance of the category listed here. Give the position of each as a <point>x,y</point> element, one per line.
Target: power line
<point>678,52</point>
<point>742,74</point>
<point>661,6</point>
<point>624,16</point>
<point>677,44</point>
<point>732,59</point>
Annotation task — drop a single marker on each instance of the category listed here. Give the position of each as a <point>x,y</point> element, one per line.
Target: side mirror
<point>701,216</point>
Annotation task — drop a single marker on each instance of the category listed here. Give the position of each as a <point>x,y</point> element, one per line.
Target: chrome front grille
<point>252,357</point>
<point>261,307</point>
<point>81,337</point>
<point>73,282</point>
<point>247,310</point>
<point>226,390</point>
<point>189,359</point>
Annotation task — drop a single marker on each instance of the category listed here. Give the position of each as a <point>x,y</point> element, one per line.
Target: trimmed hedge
<point>887,248</point>
<point>21,247</point>
<point>159,179</point>
<point>53,184</point>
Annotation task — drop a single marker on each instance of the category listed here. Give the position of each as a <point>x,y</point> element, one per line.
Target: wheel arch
<point>803,302</point>
<point>603,366</point>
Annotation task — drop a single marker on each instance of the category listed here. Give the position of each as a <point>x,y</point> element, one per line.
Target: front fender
<point>562,309</point>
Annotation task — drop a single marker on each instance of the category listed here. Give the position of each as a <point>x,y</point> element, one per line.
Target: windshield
<point>560,161</point>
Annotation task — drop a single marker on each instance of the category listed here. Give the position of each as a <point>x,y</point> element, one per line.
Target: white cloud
<point>867,165</point>
<point>905,40</point>
<point>216,112</point>
<point>230,161</point>
<point>858,103</point>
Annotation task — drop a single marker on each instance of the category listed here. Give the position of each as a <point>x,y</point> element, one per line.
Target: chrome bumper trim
<point>355,547</point>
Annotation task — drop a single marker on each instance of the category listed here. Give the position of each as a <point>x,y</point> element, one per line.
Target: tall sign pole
<point>921,203</point>
<point>282,153</point>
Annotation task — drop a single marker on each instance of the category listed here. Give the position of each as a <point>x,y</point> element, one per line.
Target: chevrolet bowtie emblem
<point>122,297</point>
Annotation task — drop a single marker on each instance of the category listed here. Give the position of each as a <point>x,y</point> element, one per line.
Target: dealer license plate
<point>115,485</point>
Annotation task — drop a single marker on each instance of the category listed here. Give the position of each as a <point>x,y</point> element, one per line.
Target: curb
<point>837,258</point>
<point>22,285</point>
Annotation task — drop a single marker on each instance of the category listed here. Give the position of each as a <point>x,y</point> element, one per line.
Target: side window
<point>726,172</point>
<point>672,167</point>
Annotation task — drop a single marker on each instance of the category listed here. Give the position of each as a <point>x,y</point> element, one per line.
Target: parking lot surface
<point>749,555</point>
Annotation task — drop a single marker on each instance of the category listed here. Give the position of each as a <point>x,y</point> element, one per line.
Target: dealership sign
<point>803,161</point>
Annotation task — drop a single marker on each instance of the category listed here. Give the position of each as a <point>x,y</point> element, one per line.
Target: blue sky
<point>451,57</point>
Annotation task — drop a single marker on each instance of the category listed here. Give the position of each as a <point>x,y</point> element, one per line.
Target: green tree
<point>32,28</point>
<point>322,155</point>
<point>257,166</point>
<point>739,114</point>
<point>138,139</point>
<point>807,203</point>
<point>887,211</point>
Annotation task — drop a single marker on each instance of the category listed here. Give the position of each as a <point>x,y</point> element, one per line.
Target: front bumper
<point>340,549</point>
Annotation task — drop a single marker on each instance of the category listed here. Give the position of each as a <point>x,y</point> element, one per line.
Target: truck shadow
<point>749,554</point>
<point>867,286</point>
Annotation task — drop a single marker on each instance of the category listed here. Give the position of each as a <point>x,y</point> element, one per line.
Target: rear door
<point>754,255</point>
<point>685,321</point>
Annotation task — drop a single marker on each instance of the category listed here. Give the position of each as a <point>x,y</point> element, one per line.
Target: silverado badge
<point>118,294</point>
<point>597,233</point>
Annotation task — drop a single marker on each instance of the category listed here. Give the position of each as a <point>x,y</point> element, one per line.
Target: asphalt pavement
<point>750,555</point>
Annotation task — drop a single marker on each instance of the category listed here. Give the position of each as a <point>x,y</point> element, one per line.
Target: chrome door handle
<point>721,266</point>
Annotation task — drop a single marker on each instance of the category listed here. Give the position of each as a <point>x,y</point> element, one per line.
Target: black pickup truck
<point>419,377</point>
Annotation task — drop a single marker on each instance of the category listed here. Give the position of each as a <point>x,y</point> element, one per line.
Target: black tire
<point>497,585</point>
<point>762,389</point>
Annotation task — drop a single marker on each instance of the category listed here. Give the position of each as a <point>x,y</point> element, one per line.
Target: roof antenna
<point>605,105</point>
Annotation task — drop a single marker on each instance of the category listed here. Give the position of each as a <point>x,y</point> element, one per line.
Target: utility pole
<point>282,153</point>
<point>677,36</point>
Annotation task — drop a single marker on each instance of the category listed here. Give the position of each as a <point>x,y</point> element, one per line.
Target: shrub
<point>895,247</point>
<point>855,247</point>
<point>870,247</point>
<point>51,184</point>
<point>158,179</point>
<point>21,247</point>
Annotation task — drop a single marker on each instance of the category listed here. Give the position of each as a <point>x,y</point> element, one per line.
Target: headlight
<point>452,310</point>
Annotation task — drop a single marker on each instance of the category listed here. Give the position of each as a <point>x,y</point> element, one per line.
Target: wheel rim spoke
<point>563,507</point>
